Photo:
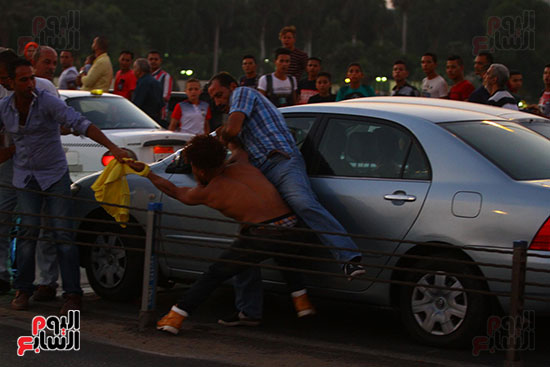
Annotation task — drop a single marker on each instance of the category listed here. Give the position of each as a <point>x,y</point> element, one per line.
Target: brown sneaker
<point>21,301</point>
<point>172,321</point>
<point>73,301</point>
<point>44,293</point>
<point>302,304</point>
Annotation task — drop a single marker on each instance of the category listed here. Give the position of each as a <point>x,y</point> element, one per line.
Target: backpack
<point>279,100</point>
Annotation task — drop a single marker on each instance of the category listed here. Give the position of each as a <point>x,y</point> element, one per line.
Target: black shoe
<point>5,286</point>
<point>354,268</point>
<point>239,319</point>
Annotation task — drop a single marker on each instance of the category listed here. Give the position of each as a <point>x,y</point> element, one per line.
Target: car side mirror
<point>179,165</point>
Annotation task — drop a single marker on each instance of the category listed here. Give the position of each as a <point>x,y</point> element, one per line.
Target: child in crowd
<point>323,85</point>
<point>355,89</point>
<point>192,115</point>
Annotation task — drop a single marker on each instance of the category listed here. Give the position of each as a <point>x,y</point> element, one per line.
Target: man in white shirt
<point>433,85</point>
<point>279,87</point>
<point>67,79</point>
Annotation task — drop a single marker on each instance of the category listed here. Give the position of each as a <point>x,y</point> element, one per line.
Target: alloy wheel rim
<point>439,311</point>
<point>108,264</point>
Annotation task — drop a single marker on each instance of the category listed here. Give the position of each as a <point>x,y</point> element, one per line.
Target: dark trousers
<point>219,272</point>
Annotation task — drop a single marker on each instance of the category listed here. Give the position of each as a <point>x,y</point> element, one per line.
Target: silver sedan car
<point>397,171</point>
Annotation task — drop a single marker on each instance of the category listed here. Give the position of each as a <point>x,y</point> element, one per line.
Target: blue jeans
<point>290,178</point>
<point>30,202</point>
<point>46,257</point>
<point>8,200</point>
<point>221,271</point>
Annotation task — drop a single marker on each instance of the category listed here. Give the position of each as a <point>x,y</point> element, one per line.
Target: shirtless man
<point>239,191</point>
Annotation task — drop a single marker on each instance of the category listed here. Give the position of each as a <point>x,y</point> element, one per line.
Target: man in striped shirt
<point>298,58</point>
<point>155,61</point>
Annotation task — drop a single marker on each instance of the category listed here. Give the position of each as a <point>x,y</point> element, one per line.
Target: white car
<point>124,124</point>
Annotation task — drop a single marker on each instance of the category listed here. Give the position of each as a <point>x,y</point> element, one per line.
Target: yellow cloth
<point>100,74</point>
<point>112,187</point>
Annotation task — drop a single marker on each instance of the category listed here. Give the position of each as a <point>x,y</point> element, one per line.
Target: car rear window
<point>542,128</point>
<point>112,113</point>
<point>518,151</point>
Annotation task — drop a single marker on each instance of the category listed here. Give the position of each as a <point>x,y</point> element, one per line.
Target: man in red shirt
<point>462,88</point>
<point>125,80</point>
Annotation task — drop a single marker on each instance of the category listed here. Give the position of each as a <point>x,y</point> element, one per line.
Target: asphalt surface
<point>343,334</point>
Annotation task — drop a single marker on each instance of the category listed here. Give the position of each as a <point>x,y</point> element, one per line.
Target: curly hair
<point>205,152</point>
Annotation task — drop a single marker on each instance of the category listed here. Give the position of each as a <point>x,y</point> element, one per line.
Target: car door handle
<point>400,197</point>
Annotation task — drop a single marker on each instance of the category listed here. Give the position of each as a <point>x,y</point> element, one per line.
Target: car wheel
<point>114,273</point>
<point>439,317</point>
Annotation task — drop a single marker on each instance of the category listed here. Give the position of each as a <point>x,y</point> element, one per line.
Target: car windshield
<point>518,151</point>
<point>112,113</point>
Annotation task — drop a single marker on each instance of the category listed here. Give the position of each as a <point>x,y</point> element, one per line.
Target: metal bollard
<point>147,314</point>
<point>519,262</point>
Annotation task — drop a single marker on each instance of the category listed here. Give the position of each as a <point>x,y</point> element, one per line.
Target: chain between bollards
<point>519,264</point>
<point>147,314</point>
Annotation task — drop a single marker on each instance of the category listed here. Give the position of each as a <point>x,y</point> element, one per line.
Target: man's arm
<point>96,135</point>
<point>173,124</point>
<point>188,195</point>
<point>233,126</point>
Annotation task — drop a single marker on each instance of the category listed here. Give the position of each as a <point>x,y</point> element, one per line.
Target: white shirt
<point>279,86</point>
<point>68,75</point>
<point>434,88</point>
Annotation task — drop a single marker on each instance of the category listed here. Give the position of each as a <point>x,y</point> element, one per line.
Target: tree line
<point>212,35</point>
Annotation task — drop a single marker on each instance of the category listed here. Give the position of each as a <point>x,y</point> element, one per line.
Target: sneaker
<point>44,293</point>
<point>301,304</point>
<point>171,322</point>
<point>5,286</point>
<point>21,301</point>
<point>239,319</point>
<point>354,268</point>
<point>73,301</point>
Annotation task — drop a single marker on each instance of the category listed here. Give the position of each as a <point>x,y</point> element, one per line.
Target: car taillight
<point>108,156</point>
<point>542,239</point>
<point>163,150</point>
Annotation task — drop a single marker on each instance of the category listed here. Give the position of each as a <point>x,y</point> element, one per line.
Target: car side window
<point>356,148</point>
<point>299,127</point>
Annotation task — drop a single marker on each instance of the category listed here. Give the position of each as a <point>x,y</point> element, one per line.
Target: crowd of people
<point>264,182</point>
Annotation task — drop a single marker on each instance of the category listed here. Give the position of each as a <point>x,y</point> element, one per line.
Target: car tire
<point>443,318</point>
<point>114,274</point>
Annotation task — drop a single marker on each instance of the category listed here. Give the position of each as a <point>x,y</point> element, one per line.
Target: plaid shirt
<point>264,130</point>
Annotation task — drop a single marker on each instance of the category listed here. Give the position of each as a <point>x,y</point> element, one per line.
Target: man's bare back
<point>243,193</point>
<point>237,189</point>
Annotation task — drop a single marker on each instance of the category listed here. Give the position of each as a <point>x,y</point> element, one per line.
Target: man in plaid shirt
<point>272,149</point>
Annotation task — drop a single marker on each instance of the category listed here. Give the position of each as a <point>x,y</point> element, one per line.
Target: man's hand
<point>135,165</point>
<point>119,154</point>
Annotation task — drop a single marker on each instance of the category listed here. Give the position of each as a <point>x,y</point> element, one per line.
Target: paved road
<point>91,354</point>
<point>343,334</point>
